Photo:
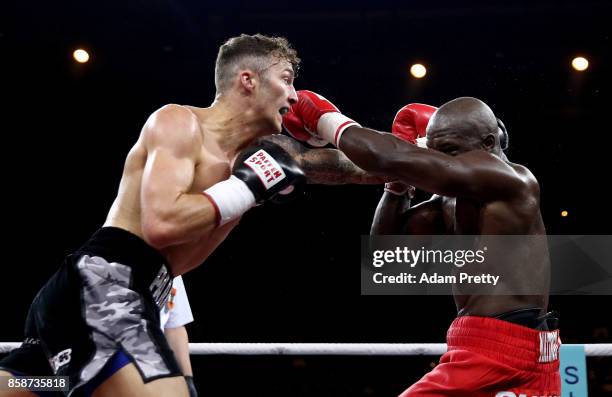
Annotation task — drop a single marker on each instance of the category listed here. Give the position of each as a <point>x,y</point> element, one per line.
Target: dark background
<point>290,273</point>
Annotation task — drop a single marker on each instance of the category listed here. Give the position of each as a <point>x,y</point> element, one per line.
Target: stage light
<point>80,55</point>
<point>418,71</point>
<point>580,64</point>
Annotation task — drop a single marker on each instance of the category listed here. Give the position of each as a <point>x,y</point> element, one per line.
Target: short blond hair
<point>254,51</point>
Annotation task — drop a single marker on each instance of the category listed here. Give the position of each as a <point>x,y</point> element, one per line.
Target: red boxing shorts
<point>494,358</point>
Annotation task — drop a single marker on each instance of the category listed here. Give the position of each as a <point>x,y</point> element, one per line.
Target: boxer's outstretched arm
<point>476,174</point>
<point>169,214</point>
<point>325,166</point>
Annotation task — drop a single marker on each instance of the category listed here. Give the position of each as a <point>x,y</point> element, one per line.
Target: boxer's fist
<point>296,129</point>
<point>259,173</point>
<point>267,169</point>
<point>317,116</point>
<point>411,122</point>
<point>307,111</point>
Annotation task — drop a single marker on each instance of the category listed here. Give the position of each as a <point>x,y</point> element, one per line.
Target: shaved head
<point>465,122</point>
<point>465,114</point>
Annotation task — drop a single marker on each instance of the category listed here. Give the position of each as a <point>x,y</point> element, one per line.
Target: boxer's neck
<point>234,125</point>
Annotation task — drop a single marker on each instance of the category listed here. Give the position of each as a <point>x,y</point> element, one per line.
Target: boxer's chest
<point>210,170</point>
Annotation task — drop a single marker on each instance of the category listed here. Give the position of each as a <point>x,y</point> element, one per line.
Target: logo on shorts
<point>161,286</point>
<point>60,359</point>
<point>549,346</point>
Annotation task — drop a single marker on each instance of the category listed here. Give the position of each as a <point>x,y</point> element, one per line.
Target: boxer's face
<point>449,136</point>
<point>452,142</point>
<point>277,93</point>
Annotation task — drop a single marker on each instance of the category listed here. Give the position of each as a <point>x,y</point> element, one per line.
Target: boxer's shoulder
<point>175,127</point>
<point>174,115</point>
<point>523,172</point>
<point>497,174</point>
<point>526,180</point>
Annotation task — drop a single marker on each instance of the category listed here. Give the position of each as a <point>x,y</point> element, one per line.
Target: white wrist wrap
<point>231,198</point>
<point>331,126</point>
<point>422,142</point>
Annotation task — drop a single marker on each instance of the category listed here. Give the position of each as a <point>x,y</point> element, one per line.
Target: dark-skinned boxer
<point>497,344</point>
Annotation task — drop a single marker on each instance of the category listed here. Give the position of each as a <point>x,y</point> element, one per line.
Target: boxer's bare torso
<point>211,165</point>
<point>518,215</point>
<point>521,260</point>
<point>477,193</point>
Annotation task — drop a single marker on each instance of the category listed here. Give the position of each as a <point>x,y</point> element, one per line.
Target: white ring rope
<point>334,349</point>
<point>323,349</point>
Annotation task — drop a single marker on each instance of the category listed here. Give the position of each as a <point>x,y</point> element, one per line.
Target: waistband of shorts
<point>518,346</point>
<point>118,245</point>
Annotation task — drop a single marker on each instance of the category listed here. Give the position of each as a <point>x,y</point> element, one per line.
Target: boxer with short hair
<point>186,182</point>
<point>321,163</point>
<point>497,343</point>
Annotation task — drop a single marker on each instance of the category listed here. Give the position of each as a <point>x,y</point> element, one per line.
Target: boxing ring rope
<point>334,349</point>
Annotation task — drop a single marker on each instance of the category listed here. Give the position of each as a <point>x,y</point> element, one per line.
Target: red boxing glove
<point>317,116</point>
<point>411,122</point>
<point>295,127</point>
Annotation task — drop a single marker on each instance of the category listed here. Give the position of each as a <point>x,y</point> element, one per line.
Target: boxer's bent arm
<point>476,174</point>
<point>389,213</point>
<point>171,215</point>
<point>426,218</point>
<point>325,166</point>
<point>423,219</point>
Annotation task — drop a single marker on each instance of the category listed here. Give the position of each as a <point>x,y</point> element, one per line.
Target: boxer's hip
<point>518,346</point>
<point>103,299</point>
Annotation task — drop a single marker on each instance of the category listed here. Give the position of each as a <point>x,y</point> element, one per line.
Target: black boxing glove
<point>288,195</point>
<point>267,169</point>
<point>259,173</point>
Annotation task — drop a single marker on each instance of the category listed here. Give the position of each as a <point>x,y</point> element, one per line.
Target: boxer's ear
<point>248,80</point>
<point>488,142</point>
<point>503,134</point>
